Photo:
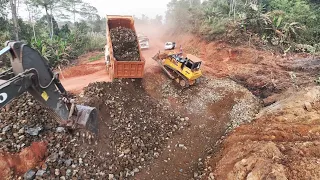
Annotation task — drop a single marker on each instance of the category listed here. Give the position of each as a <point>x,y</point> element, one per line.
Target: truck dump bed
<point>116,67</point>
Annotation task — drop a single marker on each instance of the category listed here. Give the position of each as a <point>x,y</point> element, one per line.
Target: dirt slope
<point>263,73</point>
<point>283,143</point>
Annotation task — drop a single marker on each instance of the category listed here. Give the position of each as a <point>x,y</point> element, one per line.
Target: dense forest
<point>59,30</point>
<point>290,25</point>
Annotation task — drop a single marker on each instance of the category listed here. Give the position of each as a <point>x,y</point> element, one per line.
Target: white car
<point>169,45</point>
<point>143,41</point>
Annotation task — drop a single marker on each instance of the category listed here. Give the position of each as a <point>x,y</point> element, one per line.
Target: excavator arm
<point>31,73</point>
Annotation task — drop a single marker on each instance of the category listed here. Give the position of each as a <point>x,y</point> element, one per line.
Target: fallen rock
<point>40,172</point>
<point>111,176</point>
<point>125,44</point>
<point>34,131</point>
<point>68,162</point>
<point>53,157</point>
<point>60,129</point>
<point>57,172</point>
<point>29,175</point>
<point>5,129</point>
<point>308,106</point>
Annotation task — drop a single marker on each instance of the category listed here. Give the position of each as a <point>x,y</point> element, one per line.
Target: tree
<point>97,24</point>
<point>90,14</point>
<point>73,6</point>
<point>82,27</point>
<point>13,5</point>
<point>3,7</point>
<point>48,5</point>
<point>43,22</point>
<point>33,16</point>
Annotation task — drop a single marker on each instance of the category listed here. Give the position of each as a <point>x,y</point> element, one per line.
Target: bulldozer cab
<point>193,66</point>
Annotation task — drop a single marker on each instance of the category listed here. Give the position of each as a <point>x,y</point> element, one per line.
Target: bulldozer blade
<point>87,118</point>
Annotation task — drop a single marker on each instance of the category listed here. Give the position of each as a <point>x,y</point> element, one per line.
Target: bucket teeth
<point>87,118</point>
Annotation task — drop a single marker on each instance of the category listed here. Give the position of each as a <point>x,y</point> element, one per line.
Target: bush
<point>97,41</point>
<point>60,50</point>
<point>281,23</point>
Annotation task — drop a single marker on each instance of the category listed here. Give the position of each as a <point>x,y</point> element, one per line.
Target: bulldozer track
<point>179,76</point>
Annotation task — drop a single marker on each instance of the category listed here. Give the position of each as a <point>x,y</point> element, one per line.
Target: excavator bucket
<point>87,118</point>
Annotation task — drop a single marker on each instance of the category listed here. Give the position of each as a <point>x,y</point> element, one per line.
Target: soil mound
<point>281,144</point>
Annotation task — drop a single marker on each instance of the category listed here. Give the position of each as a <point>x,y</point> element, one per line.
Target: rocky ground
<point>155,130</point>
<point>213,107</point>
<point>133,131</point>
<point>138,121</point>
<point>282,143</point>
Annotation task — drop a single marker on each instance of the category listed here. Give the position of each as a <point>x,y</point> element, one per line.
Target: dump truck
<point>119,68</point>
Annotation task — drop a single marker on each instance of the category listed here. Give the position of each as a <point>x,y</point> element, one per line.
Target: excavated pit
<point>141,125</point>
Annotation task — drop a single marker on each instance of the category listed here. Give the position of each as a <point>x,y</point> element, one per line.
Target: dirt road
<point>75,78</point>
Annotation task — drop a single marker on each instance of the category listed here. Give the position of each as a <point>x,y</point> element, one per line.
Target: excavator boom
<point>31,73</point>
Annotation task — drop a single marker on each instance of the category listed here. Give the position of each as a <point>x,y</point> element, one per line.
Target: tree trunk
<point>74,13</point>
<point>31,21</point>
<point>15,18</point>
<point>51,24</point>
<point>48,19</point>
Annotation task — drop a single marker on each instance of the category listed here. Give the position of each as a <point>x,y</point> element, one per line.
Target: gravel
<point>134,128</point>
<point>125,44</point>
<point>133,131</point>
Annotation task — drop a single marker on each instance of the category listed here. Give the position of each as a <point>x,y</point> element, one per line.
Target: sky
<point>150,8</point>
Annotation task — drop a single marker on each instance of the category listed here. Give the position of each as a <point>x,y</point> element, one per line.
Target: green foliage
<point>96,41</point>
<point>43,24</point>
<point>68,45</point>
<point>3,4</point>
<point>282,23</point>
<point>57,45</point>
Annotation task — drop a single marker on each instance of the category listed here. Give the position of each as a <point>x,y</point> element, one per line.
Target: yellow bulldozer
<point>181,69</point>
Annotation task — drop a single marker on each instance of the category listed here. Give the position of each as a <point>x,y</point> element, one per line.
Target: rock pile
<point>133,130</point>
<point>125,44</point>
<point>23,122</point>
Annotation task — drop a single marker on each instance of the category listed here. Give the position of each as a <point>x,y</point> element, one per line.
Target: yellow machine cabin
<point>183,70</point>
